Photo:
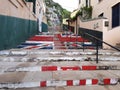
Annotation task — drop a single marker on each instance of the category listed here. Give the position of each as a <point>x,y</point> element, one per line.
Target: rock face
<point>55,13</point>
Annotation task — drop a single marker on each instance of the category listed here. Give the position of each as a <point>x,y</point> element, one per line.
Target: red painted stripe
<point>83,82</point>
<point>89,67</point>
<point>69,82</point>
<point>75,45</point>
<point>94,81</point>
<point>106,81</point>
<point>49,68</point>
<point>70,68</point>
<point>32,47</point>
<point>43,84</point>
<point>41,38</point>
<point>72,39</point>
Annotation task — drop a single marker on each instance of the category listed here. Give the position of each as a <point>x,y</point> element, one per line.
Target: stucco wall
<point>112,36</point>
<point>17,8</point>
<point>105,7</point>
<point>17,23</point>
<point>95,24</point>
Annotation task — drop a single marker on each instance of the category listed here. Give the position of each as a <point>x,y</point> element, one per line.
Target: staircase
<point>48,63</point>
<point>59,69</point>
<point>56,41</point>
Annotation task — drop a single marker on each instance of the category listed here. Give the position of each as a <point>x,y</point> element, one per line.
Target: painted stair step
<point>62,68</point>
<point>53,83</point>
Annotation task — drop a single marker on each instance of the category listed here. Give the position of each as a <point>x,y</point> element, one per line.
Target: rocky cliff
<point>55,13</point>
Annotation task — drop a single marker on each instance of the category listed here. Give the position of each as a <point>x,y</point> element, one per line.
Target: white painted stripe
<point>58,68</point>
<point>46,42</point>
<point>20,85</point>
<point>18,52</point>
<point>4,52</point>
<point>32,84</point>
<point>56,83</point>
<point>26,47</point>
<point>88,81</point>
<point>87,42</point>
<point>40,68</point>
<point>81,68</point>
<point>25,69</point>
<point>76,82</point>
<point>113,81</point>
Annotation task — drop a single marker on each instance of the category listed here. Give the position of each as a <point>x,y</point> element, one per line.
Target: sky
<point>70,5</point>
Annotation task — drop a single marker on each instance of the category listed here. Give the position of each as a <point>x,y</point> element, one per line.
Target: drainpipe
<point>40,19</point>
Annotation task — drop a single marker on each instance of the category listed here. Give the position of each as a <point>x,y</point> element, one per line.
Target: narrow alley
<point>46,62</point>
<point>43,54</point>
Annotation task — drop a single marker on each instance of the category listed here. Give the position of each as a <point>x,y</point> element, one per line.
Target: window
<point>88,2</point>
<point>116,15</point>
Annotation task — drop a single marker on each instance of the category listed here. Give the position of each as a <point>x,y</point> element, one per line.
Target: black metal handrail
<point>97,47</point>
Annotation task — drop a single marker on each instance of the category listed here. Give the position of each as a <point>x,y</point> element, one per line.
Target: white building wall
<point>110,35</point>
<point>91,3</point>
<point>21,9</point>
<point>40,12</point>
<point>105,7</point>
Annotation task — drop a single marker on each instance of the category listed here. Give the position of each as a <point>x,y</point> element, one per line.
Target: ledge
<point>92,19</point>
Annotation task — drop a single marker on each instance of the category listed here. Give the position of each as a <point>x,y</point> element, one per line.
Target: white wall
<point>83,3</point>
<point>95,24</point>
<point>105,7</point>
<point>16,8</point>
<point>112,36</point>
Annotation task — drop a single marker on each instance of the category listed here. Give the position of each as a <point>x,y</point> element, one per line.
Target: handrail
<point>97,39</point>
<point>102,41</point>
